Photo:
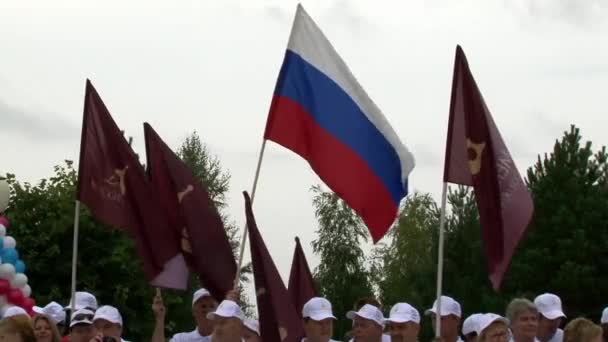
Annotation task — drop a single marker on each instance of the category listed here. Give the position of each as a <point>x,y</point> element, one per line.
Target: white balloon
<point>7,271</point>
<point>19,280</point>
<point>10,242</point>
<point>27,291</point>
<point>2,230</point>
<point>3,300</point>
<point>4,195</point>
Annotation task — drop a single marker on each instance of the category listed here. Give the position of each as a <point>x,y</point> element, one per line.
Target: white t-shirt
<point>193,336</point>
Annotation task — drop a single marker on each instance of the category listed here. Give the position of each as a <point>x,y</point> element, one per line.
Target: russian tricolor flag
<point>322,113</point>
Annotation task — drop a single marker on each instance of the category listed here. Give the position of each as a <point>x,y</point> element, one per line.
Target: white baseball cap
<point>549,305</point>
<point>52,310</point>
<point>253,325</point>
<point>604,318</point>
<point>448,307</point>
<point>483,321</point>
<point>468,326</point>
<point>82,316</point>
<point>200,293</point>
<point>227,309</point>
<point>14,311</point>
<point>368,311</point>
<point>83,300</point>
<point>109,313</point>
<point>403,312</point>
<point>317,309</point>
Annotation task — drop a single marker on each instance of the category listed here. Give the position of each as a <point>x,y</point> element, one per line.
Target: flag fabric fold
<point>113,185</point>
<point>301,283</point>
<point>278,318</point>
<point>322,113</point>
<point>476,155</point>
<point>192,216</point>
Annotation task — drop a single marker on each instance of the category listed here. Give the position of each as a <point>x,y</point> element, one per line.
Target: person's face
<point>82,333</point>
<point>547,327</point>
<point>366,330</point>
<point>404,332</point>
<point>42,331</point>
<point>525,325</point>
<point>598,338</point>
<point>496,332</point>
<point>318,331</point>
<point>227,329</point>
<point>107,328</point>
<point>449,325</point>
<point>201,308</point>
<point>6,336</point>
<point>250,335</point>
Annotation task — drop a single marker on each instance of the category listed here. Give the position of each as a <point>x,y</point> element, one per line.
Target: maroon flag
<point>279,320</point>
<point>477,156</point>
<point>192,216</point>
<point>301,284</point>
<point>112,184</point>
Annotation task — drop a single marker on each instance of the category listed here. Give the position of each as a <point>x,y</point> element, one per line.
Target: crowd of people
<point>524,321</point>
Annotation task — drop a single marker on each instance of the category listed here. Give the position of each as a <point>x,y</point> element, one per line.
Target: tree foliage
<point>341,274</point>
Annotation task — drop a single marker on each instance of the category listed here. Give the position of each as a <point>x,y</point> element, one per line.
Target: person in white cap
<point>13,311</point>
<point>550,317</point>
<point>604,323</point>
<point>491,328</point>
<point>83,300</point>
<point>368,324</point>
<point>202,304</point>
<point>523,318</point>
<point>251,331</point>
<point>81,326</point>
<point>228,319</point>
<point>318,320</point>
<point>451,313</point>
<point>108,323</point>
<point>403,323</point>
<point>468,328</point>
<point>52,310</point>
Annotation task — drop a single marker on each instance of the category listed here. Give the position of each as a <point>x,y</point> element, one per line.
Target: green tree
<point>565,245</point>
<point>341,273</point>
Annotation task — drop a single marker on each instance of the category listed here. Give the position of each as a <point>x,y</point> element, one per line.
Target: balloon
<point>4,195</point>
<point>7,271</point>
<point>4,221</point>
<point>2,230</point>
<point>19,281</point>
<point>26,290</point>
<point>15,297</point>
<point>20,266</point>
<point>28,304</point>
<point>4,286</point>
<point>3,301</point>
<point>9,242</point>
<point>10,255</point>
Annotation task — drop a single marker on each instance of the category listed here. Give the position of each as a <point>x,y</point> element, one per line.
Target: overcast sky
<point>211,66</point>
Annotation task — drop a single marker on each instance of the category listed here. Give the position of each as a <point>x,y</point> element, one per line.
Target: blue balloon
<point>20,266</point>
<point>10,255</point>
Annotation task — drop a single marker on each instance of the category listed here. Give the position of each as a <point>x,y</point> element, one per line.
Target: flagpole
<point>440,260</point>
<point>244,239</point>
<point>75,255</point>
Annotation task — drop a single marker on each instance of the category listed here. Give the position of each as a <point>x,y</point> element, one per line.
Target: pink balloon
<point>28,304</point>
<point>15,297</point>
<point>4,221</point>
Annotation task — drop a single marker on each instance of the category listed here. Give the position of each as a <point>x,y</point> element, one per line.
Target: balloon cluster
<point>14,288</point>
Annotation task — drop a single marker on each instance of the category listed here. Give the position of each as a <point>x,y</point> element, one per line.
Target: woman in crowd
<point>582,330</point>
<point>16,329</point>
<point>45,330</point>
